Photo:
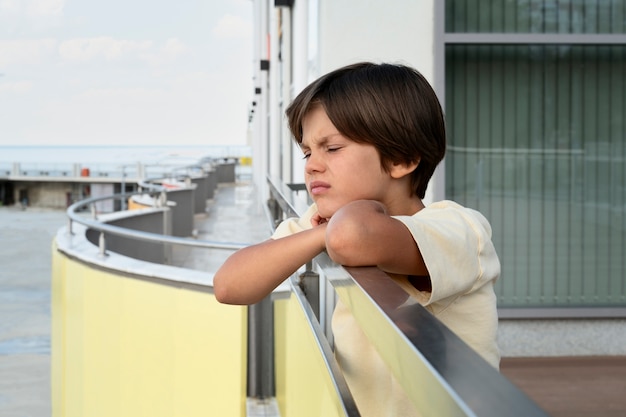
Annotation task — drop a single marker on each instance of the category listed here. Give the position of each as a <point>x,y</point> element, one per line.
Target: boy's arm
<point>251,273</point>
<point>362,234</point>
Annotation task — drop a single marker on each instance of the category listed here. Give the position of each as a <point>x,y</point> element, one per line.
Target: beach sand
<point>25,275</point>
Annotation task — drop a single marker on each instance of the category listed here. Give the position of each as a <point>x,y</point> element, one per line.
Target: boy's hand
<point>317,220</point>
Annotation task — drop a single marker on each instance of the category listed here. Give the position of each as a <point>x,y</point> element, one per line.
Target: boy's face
<point>339,170</point>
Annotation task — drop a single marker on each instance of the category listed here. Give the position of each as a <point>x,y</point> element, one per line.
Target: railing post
<point>162,199</point>
<point>261,376</point>
<point>309,283</point>
<point>275,211</point>
<point>123,188</point>
<point>102,245</point>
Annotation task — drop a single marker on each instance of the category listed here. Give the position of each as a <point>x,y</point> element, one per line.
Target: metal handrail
<point>451,375</point>
<point>136,234</point>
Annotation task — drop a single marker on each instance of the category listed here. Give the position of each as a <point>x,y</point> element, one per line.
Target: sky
<point>125,72</point>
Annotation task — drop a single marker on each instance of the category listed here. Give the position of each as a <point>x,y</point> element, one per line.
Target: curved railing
<point>151,187</point>
<point>102,227</point>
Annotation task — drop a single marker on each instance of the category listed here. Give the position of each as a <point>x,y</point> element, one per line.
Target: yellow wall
<point>303,384</point>
<point>127,347</point>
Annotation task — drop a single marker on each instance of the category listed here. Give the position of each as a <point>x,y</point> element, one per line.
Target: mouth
<point>318,187</point>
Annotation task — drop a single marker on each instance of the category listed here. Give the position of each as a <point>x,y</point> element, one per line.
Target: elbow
<point>220,289</point>
<point>224,294</point>
<point>336,249</point>
<point>342,241</point>
<point>228,292</point>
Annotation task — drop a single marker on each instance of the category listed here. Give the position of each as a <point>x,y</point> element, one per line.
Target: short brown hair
<point>389,106</point>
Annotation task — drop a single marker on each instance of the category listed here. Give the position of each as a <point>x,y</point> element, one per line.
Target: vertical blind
<point>536,16</point>
<point>537,143</point>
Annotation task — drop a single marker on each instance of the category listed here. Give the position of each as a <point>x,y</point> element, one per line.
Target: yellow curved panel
<point>128,347</point>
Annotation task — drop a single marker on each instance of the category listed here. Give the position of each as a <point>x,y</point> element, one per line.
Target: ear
<point>401,169</point>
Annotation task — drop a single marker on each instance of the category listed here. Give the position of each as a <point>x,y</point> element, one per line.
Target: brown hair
<point>389,106</point>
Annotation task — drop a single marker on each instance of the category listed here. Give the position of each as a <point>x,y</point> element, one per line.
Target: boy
<point>372,135</point>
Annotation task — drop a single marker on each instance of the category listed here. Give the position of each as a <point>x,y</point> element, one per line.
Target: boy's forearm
<point>251,273</point>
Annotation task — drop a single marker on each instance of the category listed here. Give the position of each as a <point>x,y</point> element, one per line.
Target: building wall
<point>400,31</point>
<point>45,194</point>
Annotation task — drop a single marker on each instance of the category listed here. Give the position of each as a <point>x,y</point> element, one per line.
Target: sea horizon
<point>40,156</point>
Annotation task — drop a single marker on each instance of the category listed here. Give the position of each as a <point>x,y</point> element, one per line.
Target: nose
<point>313,163</point>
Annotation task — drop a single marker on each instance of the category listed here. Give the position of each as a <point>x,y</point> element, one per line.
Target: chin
<point>325,212</point>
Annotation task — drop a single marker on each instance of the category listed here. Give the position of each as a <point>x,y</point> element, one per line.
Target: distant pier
<point>58,185</point>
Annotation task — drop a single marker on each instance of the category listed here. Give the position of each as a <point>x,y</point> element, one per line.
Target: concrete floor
<point>233,215</point>
<point>26,237</point>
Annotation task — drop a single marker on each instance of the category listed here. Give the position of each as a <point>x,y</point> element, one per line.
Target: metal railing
<point>445,375</point>
<point>103,228</point>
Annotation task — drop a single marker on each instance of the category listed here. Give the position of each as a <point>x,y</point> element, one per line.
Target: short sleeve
<point>455,243</point>
<point>294,225</point>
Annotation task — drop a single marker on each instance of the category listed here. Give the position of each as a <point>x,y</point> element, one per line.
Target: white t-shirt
<point>455,243</point>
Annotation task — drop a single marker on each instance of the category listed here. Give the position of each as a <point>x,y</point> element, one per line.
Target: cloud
<point>19,17</point>
<point>11,6</point>
<point>168,52</point>
<point>232,27</point>
<point>142,80</point>
<point>101,48</point>
<point>192,108</point>
<point>44,7</point>
<point>18,87</point>
<point>32,8</point>
<point>84,50</point>
<point>109,49</point>
<point>16,52</point>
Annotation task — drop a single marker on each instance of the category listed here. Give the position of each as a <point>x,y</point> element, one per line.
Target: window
<point>536,115</point>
